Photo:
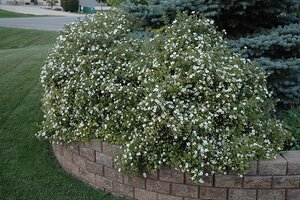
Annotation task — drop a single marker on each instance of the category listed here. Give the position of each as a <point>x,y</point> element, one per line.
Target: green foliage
<point>178,97</point>
<point>278,51</point>
<point>234,16</point>
<point>115,2</point>
<point>269,29</point>
<point>112,2</point>
<point>70,5</point>
<point>291,122</point>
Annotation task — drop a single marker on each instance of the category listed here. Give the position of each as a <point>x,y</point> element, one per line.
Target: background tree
<point>266,31</point>
<point>70,5</point>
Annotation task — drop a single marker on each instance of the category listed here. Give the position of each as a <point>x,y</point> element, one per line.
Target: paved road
<point>41,23</point>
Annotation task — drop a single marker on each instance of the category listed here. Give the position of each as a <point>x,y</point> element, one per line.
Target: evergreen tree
<point>242,16</point>
<point>278,51</point>
<point>70,5</point>
<point>269,29</point>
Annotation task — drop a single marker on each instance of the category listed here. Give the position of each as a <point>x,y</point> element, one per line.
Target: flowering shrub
<point>178,98</point>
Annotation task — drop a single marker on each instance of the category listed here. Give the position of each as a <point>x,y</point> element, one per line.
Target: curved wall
<point>93,163</point>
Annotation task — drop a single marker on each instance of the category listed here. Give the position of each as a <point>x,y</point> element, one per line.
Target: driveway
<point>41,23</point>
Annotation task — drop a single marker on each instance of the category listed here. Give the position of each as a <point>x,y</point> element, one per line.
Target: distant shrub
<point>179,97</point>
<point>70,5</point>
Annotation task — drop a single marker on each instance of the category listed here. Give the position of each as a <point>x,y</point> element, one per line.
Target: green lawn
<point>28,169</point>
<point>8,14</point>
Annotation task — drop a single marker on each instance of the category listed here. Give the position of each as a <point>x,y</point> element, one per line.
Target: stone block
<point>276,166</point>
<point>59,158</point>
<point>94,168</point>
<point>109,149</point>
<point>168,197</point>
<point>140,194</point>
<point>57,149</point>
<point>208,181</point>
<point>158,186</point>
<point>228,181</point>
<point>123,189</point>
<point>257,181</point>
<point>171,175</point>
<point>293,194</point>
<point>265,194</point>
<point>113,174</point>
<point>95,144</point>
<point>79,161</point>
<point>87,153</point>
<point>242,194</point>
<point>138,182</point>
<point>67,153</point>
<point>104,159</point>
<point>74,147</point>
<point>292,181</point>
<point>119,195</point>
<point>87,176</point>
<point>293,159</point>
<point>104,182</point>
<point>253,168</point>
<point>213,193</point>
<point>184,190</point>
<point>71,167</point>
<point>152,175</point>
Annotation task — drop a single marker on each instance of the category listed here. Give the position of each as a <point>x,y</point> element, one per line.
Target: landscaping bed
<point>174,95</point>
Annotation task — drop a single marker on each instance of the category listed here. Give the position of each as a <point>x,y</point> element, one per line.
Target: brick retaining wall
<point>93,163</point>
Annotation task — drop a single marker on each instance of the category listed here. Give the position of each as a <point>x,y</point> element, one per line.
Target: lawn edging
<point>93,163</point>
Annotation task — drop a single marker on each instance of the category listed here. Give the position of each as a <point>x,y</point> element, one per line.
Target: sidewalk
<point>37,10</point>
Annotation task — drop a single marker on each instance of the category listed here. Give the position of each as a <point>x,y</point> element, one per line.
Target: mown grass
<point>9,14</point>
<point>12,38</point>
<point>28,169</point>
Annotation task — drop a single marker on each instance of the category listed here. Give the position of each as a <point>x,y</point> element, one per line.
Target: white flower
<point>144,175</point>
